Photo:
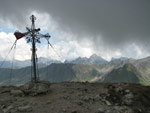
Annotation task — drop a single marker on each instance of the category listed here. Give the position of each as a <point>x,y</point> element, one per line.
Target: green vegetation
<point>127,73</point>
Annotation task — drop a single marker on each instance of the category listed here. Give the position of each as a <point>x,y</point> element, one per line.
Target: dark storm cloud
<point>118,22</point>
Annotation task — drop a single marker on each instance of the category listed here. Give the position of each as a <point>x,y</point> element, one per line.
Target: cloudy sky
<point>109,28</point>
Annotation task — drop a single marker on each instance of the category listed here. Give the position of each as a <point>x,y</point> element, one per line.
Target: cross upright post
<point>34,60</point>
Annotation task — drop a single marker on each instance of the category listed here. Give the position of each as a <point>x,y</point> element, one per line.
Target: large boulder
<point>32,88</point>
<point>16,92</point>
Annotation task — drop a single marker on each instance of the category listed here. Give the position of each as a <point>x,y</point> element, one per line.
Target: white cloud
<point>65,44</point>
<point>72,49</point>
<point>6,42</point>
<point>135,51</point>
<point>43,21</point>
<point>62,50</point>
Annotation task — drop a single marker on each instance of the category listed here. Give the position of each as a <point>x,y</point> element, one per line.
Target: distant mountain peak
<point>93,59</point>
<point>95,56</point>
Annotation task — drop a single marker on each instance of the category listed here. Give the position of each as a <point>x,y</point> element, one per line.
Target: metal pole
<point>33,50</point>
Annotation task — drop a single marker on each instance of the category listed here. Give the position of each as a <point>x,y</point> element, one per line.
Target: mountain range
<point>20,64</point>
<point>93,59</point>
<point>92,69</point>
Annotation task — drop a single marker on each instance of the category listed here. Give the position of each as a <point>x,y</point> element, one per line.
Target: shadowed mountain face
<point>117,70</point>
<point>53,73</point>
<point>58,73</point>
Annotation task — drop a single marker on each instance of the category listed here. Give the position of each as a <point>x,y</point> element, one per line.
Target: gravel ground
<point>75,97</point>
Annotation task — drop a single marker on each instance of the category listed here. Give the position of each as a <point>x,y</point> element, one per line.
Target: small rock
<point>33,104</point>
<point>2,101</point>
<point>3,106</point>
<point>25,103</point>
<point>16,92</point>
<point>25,109</point>
<point>127,91</point>
<point>108,103</point>
<point>111,87</point>
<point>65,97</point>
<point>7,110</point>
<point>64,110</point>
<point>1,111</point>
<point>80,95</point>
<point>109,111</point>
<point>64,91</point>
<point>19,99</point>
<point>116,104</point>
<point>122,109</point>
<point>48,102</point>
<point>86,98</point>
<point>108,95</point>
<point>71,92</point>
<point>97,97</point>
<point>85,89</point>
<point>79,103</point>
<point>127,100</point>
<point>114,98</point>
<point>74,111</point>
<point>140,110</point>
<point>129,96</point>
<point>118,89</point>
<point>101,110</point>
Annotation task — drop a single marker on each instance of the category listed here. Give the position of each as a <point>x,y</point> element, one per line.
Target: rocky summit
<point>75,97</point>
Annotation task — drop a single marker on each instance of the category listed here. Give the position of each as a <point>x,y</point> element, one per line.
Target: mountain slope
<point>143,66</point>
<point>58,73</point>
<point>53,73</point>
<point>128,73</point>
<point>117,70</point>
